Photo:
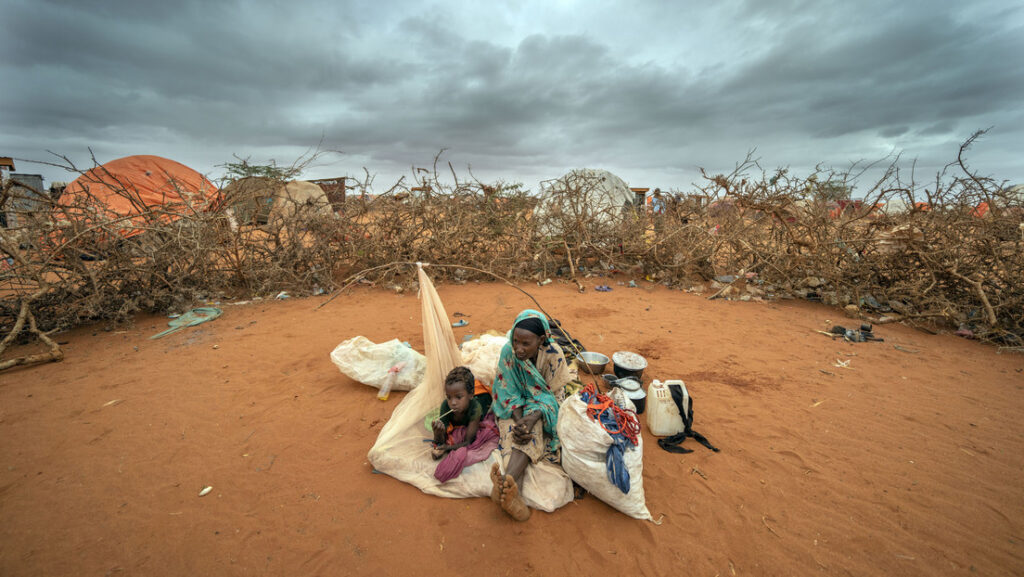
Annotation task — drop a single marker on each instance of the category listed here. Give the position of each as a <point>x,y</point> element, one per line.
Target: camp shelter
<point>259,199</point>
<point>134,190</point>
<point>25,197</point>
<point>591,194</point>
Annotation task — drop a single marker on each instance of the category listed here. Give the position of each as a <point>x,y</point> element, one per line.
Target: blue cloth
<point>618,474</point>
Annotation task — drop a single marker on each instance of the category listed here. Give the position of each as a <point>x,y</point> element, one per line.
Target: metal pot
<point>635,391</point>
<point>629,364</point>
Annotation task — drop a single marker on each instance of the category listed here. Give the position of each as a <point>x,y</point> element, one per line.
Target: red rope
<point>626,421</point>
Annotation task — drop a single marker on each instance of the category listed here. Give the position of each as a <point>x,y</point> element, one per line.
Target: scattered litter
<point>861,335</point>
<point>603,288</point>
<point>843,364</point>
<point>458,315</point>
<point>544,282</point>
<point>460,323</point>
<point>190,319</point>
<point>282,295</point>
<point>818,403</point>
<point>206,491</point>
<point>632,284</point>
<point>699,472</point>
<point>173,315</point>
<point>899,348</point>
<point>112,403</point>
<point>240,303</point>
<point>317,291</point>
<point>830,373</point>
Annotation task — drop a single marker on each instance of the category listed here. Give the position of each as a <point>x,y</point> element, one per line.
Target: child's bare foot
<point>512,503</point>
<point>498,481</point>
<point>437,453</point>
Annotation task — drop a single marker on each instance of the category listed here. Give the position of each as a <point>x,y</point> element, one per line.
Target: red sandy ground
<point>902,464</point>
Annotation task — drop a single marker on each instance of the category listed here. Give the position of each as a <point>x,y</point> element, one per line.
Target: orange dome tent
<point>142,188</point>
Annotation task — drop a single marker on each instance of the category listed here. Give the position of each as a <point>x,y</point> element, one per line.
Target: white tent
<point>896,205</point>
<point>593,195</point>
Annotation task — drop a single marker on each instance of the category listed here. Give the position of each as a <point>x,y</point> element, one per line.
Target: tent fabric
<point>251,198</point>
<point>128,186</point>
<point>400,450</point>
<point>295,196</point>
<point>262,200</point>
<point>605,196</point>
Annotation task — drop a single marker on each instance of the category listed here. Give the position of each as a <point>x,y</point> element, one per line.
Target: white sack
<point>368,363</point>
<point>481,356</point>
<point>584,446</point>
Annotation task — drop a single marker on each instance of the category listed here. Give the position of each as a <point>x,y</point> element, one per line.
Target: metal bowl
<point>591,362</point>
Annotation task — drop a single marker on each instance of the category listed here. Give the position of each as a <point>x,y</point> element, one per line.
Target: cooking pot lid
<point>628,384</point>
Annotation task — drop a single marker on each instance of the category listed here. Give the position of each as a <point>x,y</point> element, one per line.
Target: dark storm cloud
<point>805,82</point>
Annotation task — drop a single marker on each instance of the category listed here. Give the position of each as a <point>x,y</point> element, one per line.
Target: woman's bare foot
<point>512,503</point>
<point>498,481</point>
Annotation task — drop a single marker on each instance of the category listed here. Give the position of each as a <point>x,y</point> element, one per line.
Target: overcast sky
<point>518,91</point>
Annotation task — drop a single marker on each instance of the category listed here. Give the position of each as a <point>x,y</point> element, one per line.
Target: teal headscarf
<point>520,385</point>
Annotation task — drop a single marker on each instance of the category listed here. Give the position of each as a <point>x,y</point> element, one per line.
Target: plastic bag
<point>389,366</point>
<point>584,446</point>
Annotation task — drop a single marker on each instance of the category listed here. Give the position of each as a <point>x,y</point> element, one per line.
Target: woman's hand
<point>522,432</point>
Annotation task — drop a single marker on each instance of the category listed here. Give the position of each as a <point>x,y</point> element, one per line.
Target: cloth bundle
<point>454,462</point>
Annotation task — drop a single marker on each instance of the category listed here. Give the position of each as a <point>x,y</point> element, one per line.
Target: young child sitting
<point>465,432</point>
<point>460,408</point>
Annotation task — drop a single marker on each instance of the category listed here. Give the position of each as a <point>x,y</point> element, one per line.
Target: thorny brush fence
<point>778,236</point>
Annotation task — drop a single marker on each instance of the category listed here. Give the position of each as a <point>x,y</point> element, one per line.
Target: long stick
<point>352,279</point>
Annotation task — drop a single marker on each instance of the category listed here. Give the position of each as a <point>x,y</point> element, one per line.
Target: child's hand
<point>438,426</point>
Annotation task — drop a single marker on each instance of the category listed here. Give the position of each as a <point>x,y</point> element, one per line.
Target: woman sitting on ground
<point>528,388</point>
